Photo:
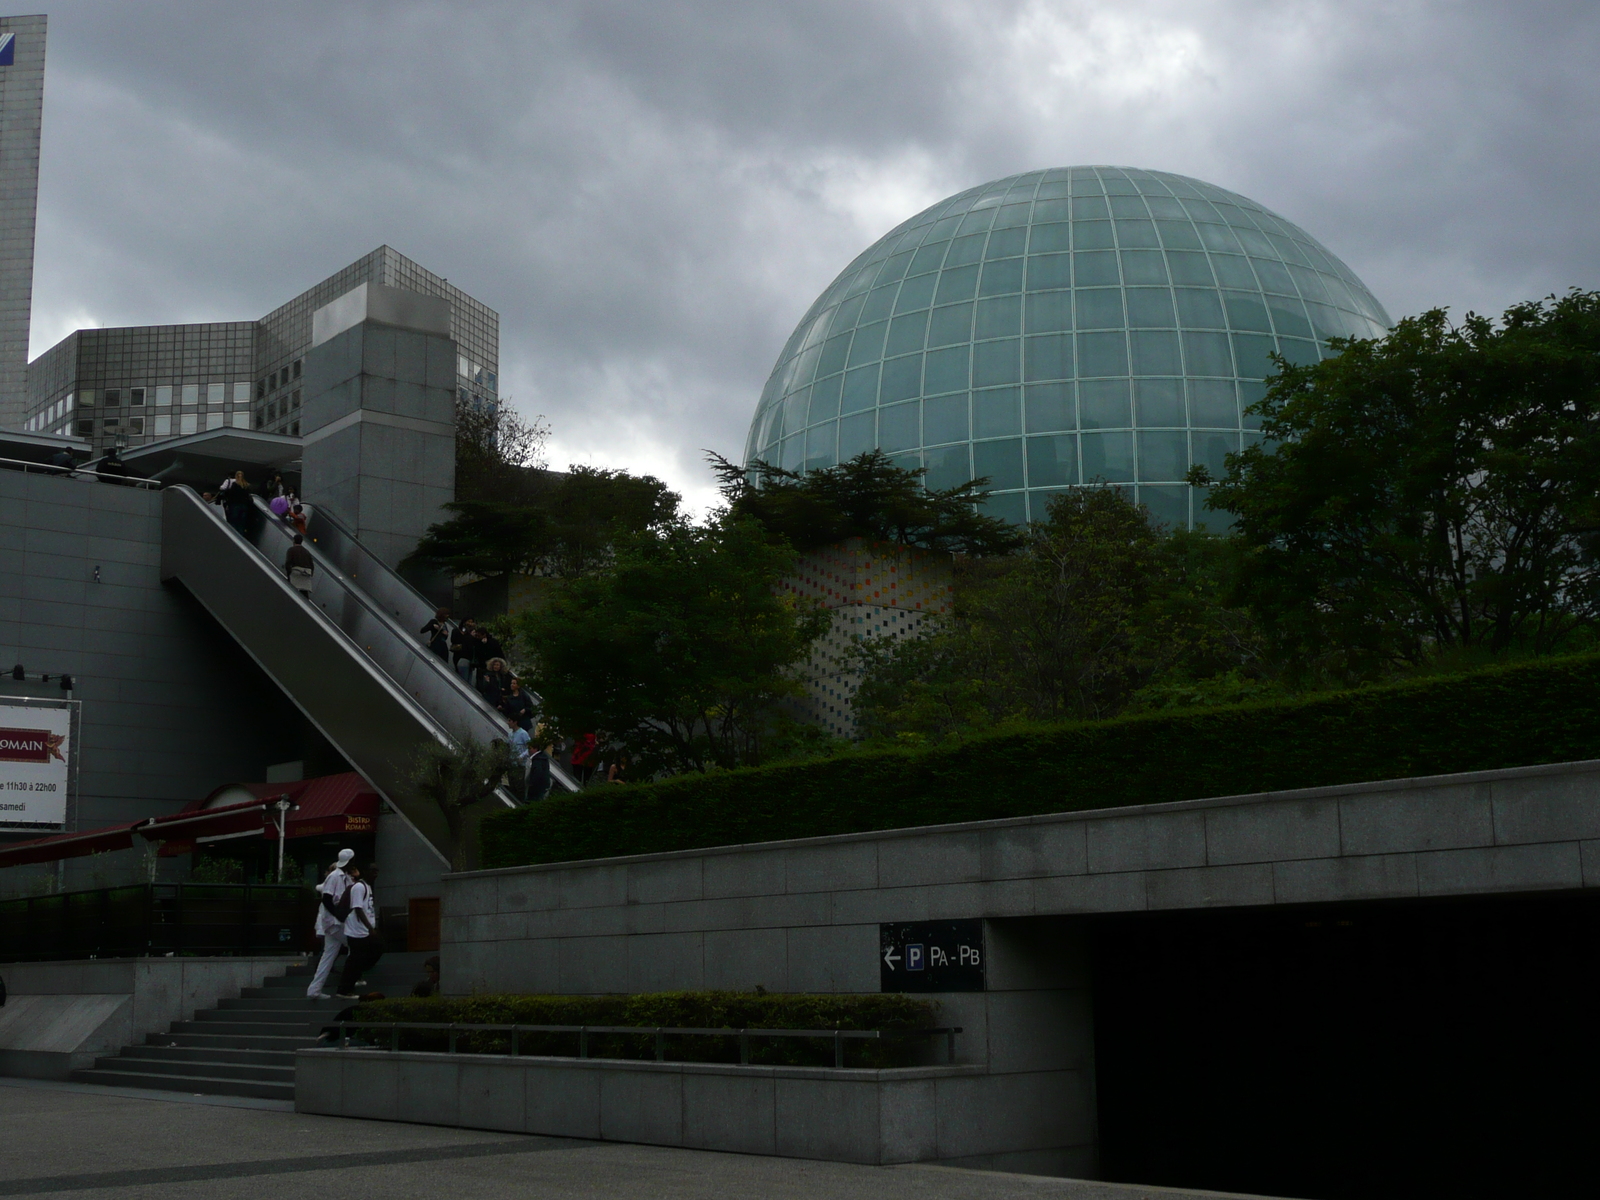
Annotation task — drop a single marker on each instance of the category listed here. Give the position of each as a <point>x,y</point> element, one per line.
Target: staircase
<point>242,1047</point>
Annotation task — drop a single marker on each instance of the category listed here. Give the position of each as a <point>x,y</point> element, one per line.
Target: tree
<point>547,524</point>
<point>1427,492</point>
<point>679,647</point>
<point>497,453</point>
<point>867,497</point>
<point>458,777</point>
<point>1097,607</point>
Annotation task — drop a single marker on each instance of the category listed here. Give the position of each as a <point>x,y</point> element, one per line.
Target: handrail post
<point>452,1037</point>
<point>744,1046</point>
<point>838,1051</point>
<point>661,1045</point>
<point>394,1036</point>
<point>516,1041</point>
<point>950,1045</point>
<point>583,1041</point>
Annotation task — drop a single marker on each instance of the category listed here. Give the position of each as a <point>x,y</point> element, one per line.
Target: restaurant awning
<point>68,845</point>
<point>324,806</point>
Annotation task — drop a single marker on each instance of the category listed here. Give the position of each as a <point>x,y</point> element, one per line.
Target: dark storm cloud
<point>652,193</point>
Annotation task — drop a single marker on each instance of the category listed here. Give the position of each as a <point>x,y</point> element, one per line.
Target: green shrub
<point>678,1010</point>
<point>1540,712</point>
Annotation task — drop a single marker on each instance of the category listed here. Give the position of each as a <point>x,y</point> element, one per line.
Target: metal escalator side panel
<point>375,726</point>
<point>397,652</point>
<point>389,592</point>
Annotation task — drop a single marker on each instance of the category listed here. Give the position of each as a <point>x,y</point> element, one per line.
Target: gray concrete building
<point>133,386</point>
<point>22,44</point>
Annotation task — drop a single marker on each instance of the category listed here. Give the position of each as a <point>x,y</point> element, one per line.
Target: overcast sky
<point>652,193</point>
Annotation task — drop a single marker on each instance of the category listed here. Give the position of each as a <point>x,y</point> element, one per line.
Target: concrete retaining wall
<point>60,1015</point>
<point>803,916</point>
<point>907,1115</point>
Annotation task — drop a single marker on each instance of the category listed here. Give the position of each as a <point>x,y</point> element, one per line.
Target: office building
<point>132,386</point>
<point>1059,328</point>
<point>22,41</point>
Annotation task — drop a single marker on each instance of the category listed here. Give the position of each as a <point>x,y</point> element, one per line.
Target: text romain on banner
<point>34,760</point>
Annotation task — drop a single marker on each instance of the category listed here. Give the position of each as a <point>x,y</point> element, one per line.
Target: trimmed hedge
<point>1539,712</point>
<point>680,1010</point>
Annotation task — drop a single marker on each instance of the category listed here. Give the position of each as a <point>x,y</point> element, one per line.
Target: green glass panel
<point>1092,235</point>
<point>944,419</point>
<point>953,324</point>
<point>857,435</point>
<point>945,370</point>
<point>825,399</point>
<point>899,426</point>
<point>1150,308</point>
<point>1206,354</point>
<point>869,343</point>
<point>860,388</point>
<point>1168,505</point>
<point>1104,404</point>
<point>906,333</point>
<point>1049,271</point>
<point>916,292</point>
<point>1045,238</point>
<point>1001,277</point>
<point>1099,308</point>
<point>1051,407</point>
<point>1102,354</point>
<point>1053,460</point>
<point>1000,461</point>
<point>1143,266</point>
<point>999,316</point>
<point>1048,357</point>
<point>1163,454</point>
<point>948,467</point>
<point>1107,457</point>
<point>996,362</point>
<point>902,379</point>
<point>1049,312</point>
<point>1213,403</point>
<point>965,250</point>
<point>1158,403</point>
<point>997,412</point>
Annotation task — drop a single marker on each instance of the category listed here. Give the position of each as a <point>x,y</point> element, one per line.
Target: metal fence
<point>153,919</point>
<point>659,1032</point>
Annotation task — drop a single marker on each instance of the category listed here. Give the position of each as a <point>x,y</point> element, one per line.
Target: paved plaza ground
<point>90,1142</point>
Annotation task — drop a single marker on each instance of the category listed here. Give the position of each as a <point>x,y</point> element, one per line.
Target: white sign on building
<point>35,766</point>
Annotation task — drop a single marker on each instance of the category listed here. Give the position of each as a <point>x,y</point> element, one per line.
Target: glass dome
<point>1058,328</point>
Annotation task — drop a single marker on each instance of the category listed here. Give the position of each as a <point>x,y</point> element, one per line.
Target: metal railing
<point>660,1032</point>
<point>13,464</point>
<point>157,919</point>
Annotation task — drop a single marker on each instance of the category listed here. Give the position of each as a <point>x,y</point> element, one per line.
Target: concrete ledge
<point>916,1114</point>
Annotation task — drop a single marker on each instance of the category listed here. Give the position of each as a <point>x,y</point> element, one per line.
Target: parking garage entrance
<point>1407,1049</point>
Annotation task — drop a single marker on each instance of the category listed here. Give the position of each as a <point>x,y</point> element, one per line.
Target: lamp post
<point>281,810</point>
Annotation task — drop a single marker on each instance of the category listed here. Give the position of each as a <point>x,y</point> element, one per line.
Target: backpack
<point>340,908</point>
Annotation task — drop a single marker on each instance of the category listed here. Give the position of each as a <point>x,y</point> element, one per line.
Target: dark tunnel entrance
<point>1409,1049</point>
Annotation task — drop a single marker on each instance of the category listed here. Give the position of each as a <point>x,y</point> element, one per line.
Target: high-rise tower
<point>21,116</point>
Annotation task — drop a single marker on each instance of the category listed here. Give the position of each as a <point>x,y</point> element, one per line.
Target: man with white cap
<point>332,910</point>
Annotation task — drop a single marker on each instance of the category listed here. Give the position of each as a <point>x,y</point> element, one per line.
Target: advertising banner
<point>35,766</point>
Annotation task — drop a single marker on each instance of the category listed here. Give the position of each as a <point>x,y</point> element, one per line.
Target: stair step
<point>204,1084</point>
<point>250,1028</point>
<point>213,1054</point>
<point>207,1068</point>
<point>269,1004</point>
<point>233,1041</point>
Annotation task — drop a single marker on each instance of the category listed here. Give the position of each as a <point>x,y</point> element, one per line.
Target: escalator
<point>350,660</point>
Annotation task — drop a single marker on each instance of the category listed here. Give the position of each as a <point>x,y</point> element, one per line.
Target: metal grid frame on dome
<point>1060,328</point>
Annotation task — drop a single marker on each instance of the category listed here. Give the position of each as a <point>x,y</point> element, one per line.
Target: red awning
<point>325,806</point>
<point>68,845</point>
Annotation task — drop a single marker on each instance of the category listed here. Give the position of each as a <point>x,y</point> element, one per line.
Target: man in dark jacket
<point>437,633</point>
<point>299,566</point>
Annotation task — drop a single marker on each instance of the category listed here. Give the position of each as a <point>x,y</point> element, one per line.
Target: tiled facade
<point>22,42</point>
<point>875,590</point>
<point>140,384</point>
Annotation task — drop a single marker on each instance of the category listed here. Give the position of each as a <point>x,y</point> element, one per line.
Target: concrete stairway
<point>242,1047</point>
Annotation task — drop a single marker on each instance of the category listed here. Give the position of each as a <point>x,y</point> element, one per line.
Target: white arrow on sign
<point>890,957</point>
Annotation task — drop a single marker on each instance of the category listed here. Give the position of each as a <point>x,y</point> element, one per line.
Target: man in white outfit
<point>330,926</point>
